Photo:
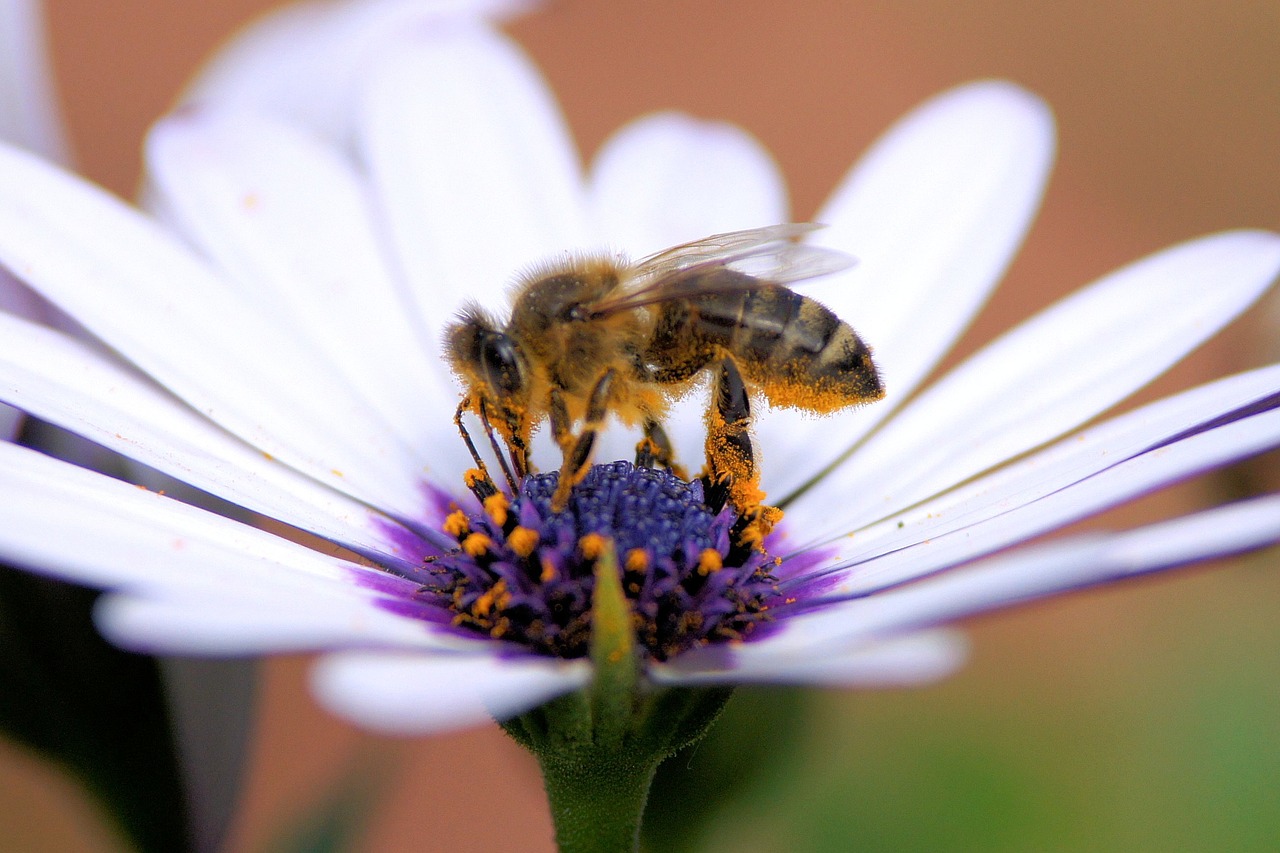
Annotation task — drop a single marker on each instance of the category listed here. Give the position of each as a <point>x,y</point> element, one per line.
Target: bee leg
<point>477,479</point>
<point>558,416</point>
<point>517,447</point>
<point>497,449</point>
<point>731,466</point>
<point>654,450</point>
<point>578,460</point>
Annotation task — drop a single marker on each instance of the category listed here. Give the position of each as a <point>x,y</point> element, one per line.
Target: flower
<point>277,324</point>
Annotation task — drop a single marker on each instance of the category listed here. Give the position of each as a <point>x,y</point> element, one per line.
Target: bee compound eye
<point>500,363</point>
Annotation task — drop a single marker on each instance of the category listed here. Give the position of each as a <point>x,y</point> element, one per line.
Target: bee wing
<point>766,256</point>
<point>720,246</point>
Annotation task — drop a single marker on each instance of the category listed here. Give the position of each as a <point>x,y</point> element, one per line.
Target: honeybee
<point>599,336</point>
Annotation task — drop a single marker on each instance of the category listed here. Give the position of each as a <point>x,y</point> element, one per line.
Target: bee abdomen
<point>796,350</point>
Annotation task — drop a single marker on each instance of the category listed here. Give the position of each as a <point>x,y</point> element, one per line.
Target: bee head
<point>486,358</point>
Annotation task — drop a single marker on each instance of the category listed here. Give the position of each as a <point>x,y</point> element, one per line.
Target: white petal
<point>251,625</point>
<point>195,581</point>
<point>17,299</point>
<point>28,118</point>
<point>76,387</point>
<point>1052,373</point>
<point>1131,478</point>
<point>14,299</point>
<point>305,62</point>
<point>1084,474</point>
<point>28,112</point>
<point>136,289</point>
<point>934,212</point>
<point>86,527</point>
<point>667,179</point>
<point>910,660</point>
<point>1030,574</point>
<point>288,221</point>
<point>473,164</point>
<point>406,694</point>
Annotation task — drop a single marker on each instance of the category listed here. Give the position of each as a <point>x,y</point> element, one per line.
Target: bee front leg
<point>578,458</point>
<point>477,479</point>
<point>516,434</point>
<point>512,479</point>
<point>731,465</point>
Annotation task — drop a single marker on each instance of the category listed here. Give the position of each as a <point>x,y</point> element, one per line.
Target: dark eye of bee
<point>500,362</point>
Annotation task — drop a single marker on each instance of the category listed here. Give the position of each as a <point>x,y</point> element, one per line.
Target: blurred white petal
<point>905,661</point>
<point>406,694</point>
<point>473,166</point>
<point>29,114</point>
<point>306,62</point>
<point>667,179</point>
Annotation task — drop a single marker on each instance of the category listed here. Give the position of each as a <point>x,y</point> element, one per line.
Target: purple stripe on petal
<point>1265,404</point>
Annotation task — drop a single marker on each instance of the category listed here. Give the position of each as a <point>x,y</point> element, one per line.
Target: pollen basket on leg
<point>524,573</point>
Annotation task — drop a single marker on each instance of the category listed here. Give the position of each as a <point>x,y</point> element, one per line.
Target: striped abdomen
<point>791,348</point>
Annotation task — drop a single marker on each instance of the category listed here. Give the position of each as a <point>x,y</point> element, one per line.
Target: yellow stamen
<point>456,525</point>
<point>496,507</point>
<point>592,545</point>
<point>476,544</point>
<point>637,560</point>
<point>495,595</point>
<point>523,540</point>
<point>709,561</point>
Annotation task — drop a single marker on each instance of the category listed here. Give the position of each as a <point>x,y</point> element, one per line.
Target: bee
<point>599,336</point>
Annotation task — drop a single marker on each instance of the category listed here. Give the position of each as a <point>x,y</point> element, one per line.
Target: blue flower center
<point>525,574</point>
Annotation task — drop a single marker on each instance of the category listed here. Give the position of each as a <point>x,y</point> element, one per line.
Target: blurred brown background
<point>1118,704</point>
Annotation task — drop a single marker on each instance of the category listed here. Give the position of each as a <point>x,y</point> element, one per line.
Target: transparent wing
<point>720,246</point>
<point>764,256</point>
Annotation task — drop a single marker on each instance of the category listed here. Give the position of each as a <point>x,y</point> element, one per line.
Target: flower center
<point>525,574</point>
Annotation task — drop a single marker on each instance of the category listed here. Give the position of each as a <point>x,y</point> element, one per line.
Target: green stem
<point>597,800</point>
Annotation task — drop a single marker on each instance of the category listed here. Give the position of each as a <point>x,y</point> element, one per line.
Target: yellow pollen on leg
<point>637,560</point>
<point>456,525</point>
<point>523,540</point>
<point>476,544</point>
<point>763,520</point>
<point>709,561</point>
<point>592,545</point>
<point>495,506</point>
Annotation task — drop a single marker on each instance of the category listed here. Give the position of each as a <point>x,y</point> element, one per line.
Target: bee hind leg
<point>731,473</point>
<point>577,452</point>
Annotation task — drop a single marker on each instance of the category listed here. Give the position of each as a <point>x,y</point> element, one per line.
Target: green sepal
<point>600,746</point>
<point>614,661</point>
